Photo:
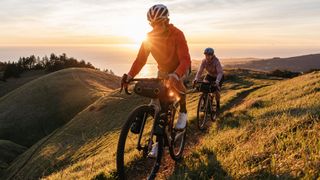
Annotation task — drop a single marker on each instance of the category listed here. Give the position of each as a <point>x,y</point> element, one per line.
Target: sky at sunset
<point>235,27</point>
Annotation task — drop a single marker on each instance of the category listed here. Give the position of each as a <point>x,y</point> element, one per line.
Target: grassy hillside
<point>81,149</point>
<point>35,109</point>
<point>86,146</point>
<point>9,151</point>
<point>269,129</point>
<point>14,83</point>
<point>271,133</point>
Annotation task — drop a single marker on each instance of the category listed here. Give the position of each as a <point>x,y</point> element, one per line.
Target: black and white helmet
<point>157,12</point>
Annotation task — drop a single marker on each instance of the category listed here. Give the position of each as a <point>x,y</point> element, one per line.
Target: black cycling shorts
<point>212,79</point>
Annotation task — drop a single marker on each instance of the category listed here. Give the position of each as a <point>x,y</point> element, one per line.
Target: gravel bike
<point>147,125</point>
<point>207,106</point>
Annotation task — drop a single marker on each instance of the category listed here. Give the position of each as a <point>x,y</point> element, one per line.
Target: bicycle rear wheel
<point>177,138</point>
<point>203,113</point>
<point>213,108</point>
<point>132,159</point>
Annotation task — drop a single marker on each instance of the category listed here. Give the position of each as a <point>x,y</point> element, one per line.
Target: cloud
<point>209,18</point>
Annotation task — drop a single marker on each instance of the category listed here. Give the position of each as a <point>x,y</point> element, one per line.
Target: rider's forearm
<point>183,67</point>
<point>219,72</point>
<point>140,61</point>
<point>219,77</point>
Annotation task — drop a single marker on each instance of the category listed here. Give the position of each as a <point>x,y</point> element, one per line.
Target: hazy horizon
<point>119,57</point>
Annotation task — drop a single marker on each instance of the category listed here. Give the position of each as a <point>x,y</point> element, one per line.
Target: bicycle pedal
<point>179,130</point>
<point>151,156</point>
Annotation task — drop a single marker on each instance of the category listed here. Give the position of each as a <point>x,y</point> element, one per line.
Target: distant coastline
<point>119,57</point>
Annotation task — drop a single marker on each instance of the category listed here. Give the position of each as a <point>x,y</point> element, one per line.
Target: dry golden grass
<point>13,83</point>
<point>269,129</point>
<point>272,133</point>
<point>82,148</point>
<point>35,109</point>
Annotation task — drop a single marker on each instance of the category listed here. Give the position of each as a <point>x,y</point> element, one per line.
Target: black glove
<point>125,80</point>
<point>194,83</point>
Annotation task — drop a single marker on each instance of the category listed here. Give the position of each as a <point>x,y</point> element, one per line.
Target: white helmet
<point>157,12</point>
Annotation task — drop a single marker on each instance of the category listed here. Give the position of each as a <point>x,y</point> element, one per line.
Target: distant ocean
<point>119,57</point>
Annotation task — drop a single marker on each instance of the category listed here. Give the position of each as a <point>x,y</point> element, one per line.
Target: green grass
<point>273,133</point>
<point>37,108</point>
<point>13,83</point>
<point>269,129</point>
<point>82,148</point>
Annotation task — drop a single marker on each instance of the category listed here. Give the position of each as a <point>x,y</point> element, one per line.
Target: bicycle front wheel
<point>203,111</point>
<point>133,147</point>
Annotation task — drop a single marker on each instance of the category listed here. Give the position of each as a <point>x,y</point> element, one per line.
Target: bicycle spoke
<point>202,112</point>
<point>132,157</point>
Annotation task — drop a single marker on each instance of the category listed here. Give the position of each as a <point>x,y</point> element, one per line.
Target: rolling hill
<point>82,148</point>
<point>37,108</point>
<point>297,64</point>
<point>13,83</point>
<point>269,128</point>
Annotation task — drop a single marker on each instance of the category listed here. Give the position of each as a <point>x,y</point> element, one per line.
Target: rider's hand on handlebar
<point>126,78</point>
<point>176,83</point>
<point>173,76</point>
<point>173,79</point>
<point>194,83</point>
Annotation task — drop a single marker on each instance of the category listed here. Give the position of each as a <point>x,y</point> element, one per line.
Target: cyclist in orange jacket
<point>168,46</point>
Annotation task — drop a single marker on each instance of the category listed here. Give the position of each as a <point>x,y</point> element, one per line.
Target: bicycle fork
<point>155,104</point>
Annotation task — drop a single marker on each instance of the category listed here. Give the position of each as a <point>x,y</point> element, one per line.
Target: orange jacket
<point>169,50</point>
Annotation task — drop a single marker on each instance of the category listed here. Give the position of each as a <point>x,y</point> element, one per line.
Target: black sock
<point>183,104</point>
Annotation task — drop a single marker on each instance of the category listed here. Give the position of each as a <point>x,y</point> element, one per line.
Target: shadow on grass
<point>75,135</point>
<point>239,98</point>
<point>200,165</point>
<point>136,170</point>
<point>294,112</point>
<point>204,164</point>
<point>103,176</point>
<point>233,120</point>
<point>265,174</point>
<point>238,82</point>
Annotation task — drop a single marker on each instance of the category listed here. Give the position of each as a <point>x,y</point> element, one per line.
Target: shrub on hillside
<point>54,63</point>
<point>2,66</point>
<point>12,70</point>
<point>284,73</point>
<point>312,70</point>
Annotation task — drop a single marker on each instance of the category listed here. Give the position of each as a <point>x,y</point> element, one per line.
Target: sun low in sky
<point>224,23</point>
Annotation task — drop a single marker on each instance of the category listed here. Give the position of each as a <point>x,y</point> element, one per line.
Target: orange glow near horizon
<point>229,29</point>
